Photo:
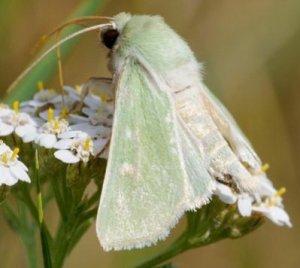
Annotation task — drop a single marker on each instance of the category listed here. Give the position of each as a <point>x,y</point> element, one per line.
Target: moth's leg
<point>100,86</point>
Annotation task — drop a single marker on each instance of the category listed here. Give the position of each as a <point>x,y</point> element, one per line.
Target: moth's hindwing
<point>145,183</point>
<point>230,130</point>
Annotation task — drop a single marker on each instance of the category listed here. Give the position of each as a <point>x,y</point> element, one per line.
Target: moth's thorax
<point>185,76</point>
<point>151,39</point>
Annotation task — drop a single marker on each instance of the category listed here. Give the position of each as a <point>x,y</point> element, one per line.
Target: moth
<point>171,138</point>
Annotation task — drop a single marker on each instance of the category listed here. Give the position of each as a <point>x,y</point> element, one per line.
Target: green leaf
<point>26,87</point>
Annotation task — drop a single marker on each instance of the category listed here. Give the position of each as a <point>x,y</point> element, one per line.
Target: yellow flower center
<point>4,158</point>
<point>16,106</point>
<point>56,124</point>
<point>87,144</point>
<point>40,85</point>
<point>279,193</point>
<point>50,114</point>
<point>265,167</point>
<point>15,154</point>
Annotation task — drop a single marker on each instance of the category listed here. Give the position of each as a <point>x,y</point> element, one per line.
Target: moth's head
<point>147,36</point>
<point>110,35</point>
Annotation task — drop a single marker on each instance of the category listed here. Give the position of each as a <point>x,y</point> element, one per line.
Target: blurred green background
<point>251,54</point>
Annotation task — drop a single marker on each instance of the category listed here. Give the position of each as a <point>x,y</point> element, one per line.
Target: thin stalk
<point>43,234</point>
<point>61,246</point>
<point>175,249</point>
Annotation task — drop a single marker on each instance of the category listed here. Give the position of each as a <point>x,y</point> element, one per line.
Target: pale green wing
<point>230,130</point>
<point>145,183</point>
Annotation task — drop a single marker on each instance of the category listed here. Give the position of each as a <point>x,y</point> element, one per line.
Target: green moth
<point>171,138</point>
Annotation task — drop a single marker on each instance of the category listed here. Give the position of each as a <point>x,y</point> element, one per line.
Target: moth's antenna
<point>60,69</point>
<point>75,21</point>
<point>71,36</point>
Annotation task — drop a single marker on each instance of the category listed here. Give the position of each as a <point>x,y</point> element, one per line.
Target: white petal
<point>276,214</point>
<point>4,148</point>
<point>28,110</point>
<point>92,102</point>
<point>18,172</point>
<point>66,156</point>
<point>99,145</point>
<point>36,103</point>
<point>245,205</point>
<point>72,134</point>
<point>225,193</point>
<point>6,177</point>
<point>81,126</point>
<point>75,119</point>
<point>63,144</point>
<point>30,136</point>
<point>22,165</point>
<point>22,130</point>
<point>48,140</point>
<point>5,112</point>
<point>38,121</point>
<point>88,111</point>
<point>5,129</point>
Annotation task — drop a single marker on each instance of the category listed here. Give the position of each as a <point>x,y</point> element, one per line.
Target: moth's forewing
<point>144,187</point>
<point>200,181</point>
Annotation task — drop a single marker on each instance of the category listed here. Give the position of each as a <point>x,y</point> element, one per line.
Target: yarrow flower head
<point>11,169</point>
<point>266,201</point>
<point>79,126</point>
<point>74,146</point>
<point>12,120</point>
<point>48,132</point>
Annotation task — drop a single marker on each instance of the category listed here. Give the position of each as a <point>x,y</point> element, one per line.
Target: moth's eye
<point>109,37</point>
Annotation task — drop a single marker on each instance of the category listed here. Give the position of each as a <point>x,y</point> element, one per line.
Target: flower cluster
<point>266,200</point>
<point>77,126</point>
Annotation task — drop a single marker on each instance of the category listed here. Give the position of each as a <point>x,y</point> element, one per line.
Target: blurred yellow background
<point>251,53</point>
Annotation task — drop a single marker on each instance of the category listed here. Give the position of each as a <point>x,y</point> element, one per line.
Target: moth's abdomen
<point>222,162</point>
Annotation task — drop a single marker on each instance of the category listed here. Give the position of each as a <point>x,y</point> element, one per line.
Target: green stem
<point>61,245</point>
<point>26,198</point>
<point>175,249</point>
<point>43,233</point>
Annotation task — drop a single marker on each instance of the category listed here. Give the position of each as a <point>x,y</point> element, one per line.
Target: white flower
<point>11,169</point>
<point>74,147</point>
<point>266,201</point>
<point>47,136</point>
<point>14,121</point>
<point>272,208</point>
